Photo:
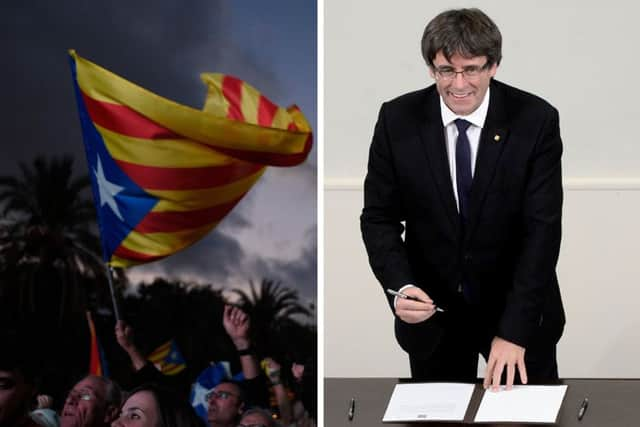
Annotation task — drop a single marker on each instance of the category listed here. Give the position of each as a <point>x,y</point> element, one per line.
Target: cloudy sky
<point>164,45</point>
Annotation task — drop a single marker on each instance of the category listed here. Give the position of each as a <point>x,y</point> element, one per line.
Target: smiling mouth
<point>460,95</point>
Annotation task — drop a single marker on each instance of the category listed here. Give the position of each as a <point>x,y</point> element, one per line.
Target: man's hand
<point>504,354</point>
<point>415,311</point>
<point>44,401</point>
<point>273,371</point>
<point>236,323</point>
<point>124,336</point>
<point>297,370</point>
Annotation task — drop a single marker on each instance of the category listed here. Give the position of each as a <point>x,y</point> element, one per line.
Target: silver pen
<point>409,297</point>
<point>583,408</point>
<point>352,409</point>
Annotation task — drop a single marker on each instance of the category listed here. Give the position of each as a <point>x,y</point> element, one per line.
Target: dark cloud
<point>299,273</point>
<point>162,46</point>
<point>213,260</point>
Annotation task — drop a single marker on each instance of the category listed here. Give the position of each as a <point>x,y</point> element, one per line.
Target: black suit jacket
<point>509,247</point>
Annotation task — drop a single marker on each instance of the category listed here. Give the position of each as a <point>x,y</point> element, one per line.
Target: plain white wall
<point>579,55</point>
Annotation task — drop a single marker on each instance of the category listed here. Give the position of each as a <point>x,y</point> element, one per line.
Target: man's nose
<point>459,81</point>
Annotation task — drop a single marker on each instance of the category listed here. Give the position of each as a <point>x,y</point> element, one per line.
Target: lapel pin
<point>496,138</point>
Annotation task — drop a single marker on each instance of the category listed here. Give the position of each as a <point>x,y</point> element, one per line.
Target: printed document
<point>428,402</point>
<point>523,403</point>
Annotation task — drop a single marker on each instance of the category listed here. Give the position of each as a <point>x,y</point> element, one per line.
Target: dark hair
<point>466,32</point>
<point>261,411</point>
<point>173,411</point>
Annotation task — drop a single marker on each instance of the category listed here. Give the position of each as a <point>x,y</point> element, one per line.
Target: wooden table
<point>612,403</point>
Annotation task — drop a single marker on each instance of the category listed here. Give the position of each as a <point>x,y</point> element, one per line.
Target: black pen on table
<point>352,409</point>
<point>583,408</point>
<point>409,297</point>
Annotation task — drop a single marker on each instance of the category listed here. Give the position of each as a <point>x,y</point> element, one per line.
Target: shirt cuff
<point>395,299</point>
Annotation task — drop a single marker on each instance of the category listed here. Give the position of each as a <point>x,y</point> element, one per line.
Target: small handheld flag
<point>168,358</point>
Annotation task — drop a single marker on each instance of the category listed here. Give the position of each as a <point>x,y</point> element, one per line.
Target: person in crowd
<point>93,402</point>
<point>303,409</point>
<point>279,390</point>
<point>305,374</point>
<point>144,370</point>
<point>226,404</point>
<point>237,324</point>
<point>152,405</point>
<point>17,386</point>
<point>256,417</point>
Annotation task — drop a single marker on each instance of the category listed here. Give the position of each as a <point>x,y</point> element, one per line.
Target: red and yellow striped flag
<point>164,174</point>
<point>168,358</point>
<point>95,356</point>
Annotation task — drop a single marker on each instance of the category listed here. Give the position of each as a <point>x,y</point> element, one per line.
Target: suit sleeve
<point>383,213</point>
<point>541,216</point>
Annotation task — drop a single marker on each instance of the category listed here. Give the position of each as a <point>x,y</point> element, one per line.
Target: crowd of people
<point>96,401</point>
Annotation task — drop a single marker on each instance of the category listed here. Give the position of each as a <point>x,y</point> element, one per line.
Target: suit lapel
<point>493,139</point>
<point>432,134</point>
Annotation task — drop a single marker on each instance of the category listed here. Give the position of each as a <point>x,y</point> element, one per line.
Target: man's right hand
<point>237,323</point>
<point>124,336</point>
<point>415,311</point>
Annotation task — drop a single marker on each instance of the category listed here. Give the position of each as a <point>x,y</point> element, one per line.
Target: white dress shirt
<point>477,119</point>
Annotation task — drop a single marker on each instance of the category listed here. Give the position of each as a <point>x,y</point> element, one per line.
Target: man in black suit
<point>469,170</point>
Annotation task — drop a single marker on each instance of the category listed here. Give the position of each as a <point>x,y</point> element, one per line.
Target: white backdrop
<point>580,56</point>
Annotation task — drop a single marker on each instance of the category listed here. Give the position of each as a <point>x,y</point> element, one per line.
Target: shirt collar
<point>476,118</point>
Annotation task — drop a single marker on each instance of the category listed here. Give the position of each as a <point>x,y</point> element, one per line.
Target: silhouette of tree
<point>48,233</point>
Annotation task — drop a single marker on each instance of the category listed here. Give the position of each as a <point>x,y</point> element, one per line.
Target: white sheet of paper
<point>523,403</point>
<point>428,401</point>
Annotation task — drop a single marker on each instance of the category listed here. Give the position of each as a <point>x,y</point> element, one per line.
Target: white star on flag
<point>108,191</point>
<point>200,395</point>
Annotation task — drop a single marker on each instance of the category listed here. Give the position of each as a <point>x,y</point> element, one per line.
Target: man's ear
<point>111,413</point>
<point>241,408</point>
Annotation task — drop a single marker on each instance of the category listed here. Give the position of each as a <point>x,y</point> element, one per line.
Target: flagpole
<point>116,310</point>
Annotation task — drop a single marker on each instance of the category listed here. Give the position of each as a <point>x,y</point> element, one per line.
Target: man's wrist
<point>133,352</point>
<point>245,350</point>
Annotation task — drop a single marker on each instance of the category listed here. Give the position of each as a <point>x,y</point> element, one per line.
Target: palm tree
<point>272,308</point>
<point>48,232</point>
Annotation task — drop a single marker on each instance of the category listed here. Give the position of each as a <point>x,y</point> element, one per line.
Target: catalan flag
<point>164,174</point>
<point>168,358</point>
<point>97,362</point>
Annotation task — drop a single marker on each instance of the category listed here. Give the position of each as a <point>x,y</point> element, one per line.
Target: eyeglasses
<point>468,72</point>
<point>222,395</point>
<point>80,395</point>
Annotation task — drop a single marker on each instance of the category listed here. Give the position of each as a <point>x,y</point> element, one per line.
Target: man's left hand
<point>504,354</point>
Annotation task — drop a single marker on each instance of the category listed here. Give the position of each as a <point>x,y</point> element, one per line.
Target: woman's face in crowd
<point>140,410</point>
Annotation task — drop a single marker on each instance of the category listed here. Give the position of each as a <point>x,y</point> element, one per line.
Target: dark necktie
<point>463,183</point>
<point>463,168</point>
